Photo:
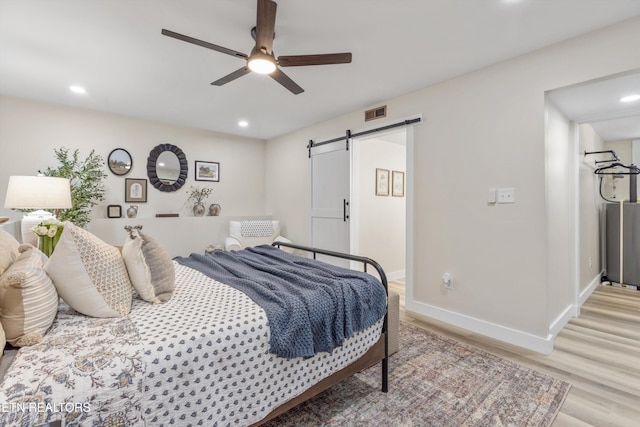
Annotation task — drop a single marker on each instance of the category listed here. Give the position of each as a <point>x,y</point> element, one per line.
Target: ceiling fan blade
<point>286,81</point>
<point>265,24</point>
<point>203,44</point>
<point>231,77</point>
<point>324,59</point>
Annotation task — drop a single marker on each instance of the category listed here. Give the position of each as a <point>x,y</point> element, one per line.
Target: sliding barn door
<point>330,195</point>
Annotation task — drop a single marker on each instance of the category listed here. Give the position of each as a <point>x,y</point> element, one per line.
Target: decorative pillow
<point>254,232</point>
<point>28,299</point>
<point>149,265</point>
<point>90,274</point>
<point>8,250</point>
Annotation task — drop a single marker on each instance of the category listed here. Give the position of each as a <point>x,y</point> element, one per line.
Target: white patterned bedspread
<point>200,359</point>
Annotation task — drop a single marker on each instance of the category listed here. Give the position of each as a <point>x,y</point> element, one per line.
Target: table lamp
<point>37,192</point>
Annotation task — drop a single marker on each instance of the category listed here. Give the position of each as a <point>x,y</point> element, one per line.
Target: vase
<point>47,244</point>
<point>214,210</point>
<point>198,209</point>
<point>132,212</point>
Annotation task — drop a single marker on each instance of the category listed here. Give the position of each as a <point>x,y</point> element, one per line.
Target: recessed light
<point>243,123</point>
<point>630,98</point>
<point>78,90</point>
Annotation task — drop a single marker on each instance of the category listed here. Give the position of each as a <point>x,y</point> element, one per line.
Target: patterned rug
<point>436,381</point>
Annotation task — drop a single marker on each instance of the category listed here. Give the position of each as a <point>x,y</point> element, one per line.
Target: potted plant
<point>87,183</point>
<point>198,195</point>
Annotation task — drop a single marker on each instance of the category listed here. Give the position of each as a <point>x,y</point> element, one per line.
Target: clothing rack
<point>349,135</point>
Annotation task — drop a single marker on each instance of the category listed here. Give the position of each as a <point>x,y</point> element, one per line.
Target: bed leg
<point>385,375</point>
<point>385,361</point>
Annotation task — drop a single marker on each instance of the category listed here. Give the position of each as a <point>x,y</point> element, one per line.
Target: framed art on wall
<point>135,190</point>
<point>397,186</point>
<point>382,182</point>
<point>207,171</point>
<point>114,211</point>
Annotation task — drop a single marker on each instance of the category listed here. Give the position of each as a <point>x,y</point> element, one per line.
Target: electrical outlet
<point>590,261</point>
<point>506,195</point>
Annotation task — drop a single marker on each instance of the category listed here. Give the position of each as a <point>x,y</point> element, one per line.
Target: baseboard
<point>396,275</point>
<point>584,295</point>
<point>522,339</point>
<point>573,310</point>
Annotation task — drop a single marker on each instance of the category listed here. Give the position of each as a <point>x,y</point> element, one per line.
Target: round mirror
<point>119,162</point>
<point>167,167</point>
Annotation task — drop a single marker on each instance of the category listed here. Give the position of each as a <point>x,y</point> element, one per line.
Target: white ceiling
<point>598,103</point>
<point>115,50</point>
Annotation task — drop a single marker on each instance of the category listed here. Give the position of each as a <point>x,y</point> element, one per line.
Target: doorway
<point>378,207</point>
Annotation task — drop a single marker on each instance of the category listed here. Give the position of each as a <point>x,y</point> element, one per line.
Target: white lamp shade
<point>38,192</point>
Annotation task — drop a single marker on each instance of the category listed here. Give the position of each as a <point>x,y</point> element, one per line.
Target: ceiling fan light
<point>261,65</point>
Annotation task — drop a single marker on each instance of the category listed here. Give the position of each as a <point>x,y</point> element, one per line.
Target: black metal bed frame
<point>383,278</point>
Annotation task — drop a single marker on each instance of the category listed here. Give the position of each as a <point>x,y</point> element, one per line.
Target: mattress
<point>200,359</point>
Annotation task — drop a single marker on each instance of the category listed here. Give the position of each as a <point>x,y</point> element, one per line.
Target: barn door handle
<point>345,217</point>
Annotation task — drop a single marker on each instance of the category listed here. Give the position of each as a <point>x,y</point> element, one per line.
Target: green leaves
<point>87,183</point>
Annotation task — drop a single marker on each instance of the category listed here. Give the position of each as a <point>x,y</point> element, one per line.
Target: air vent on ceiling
<point>375,113</point>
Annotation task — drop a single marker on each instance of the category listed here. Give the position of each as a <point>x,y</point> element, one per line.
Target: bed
<point>203,357</point>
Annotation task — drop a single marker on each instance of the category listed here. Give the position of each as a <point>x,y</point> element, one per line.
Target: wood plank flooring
<point>597,352</point>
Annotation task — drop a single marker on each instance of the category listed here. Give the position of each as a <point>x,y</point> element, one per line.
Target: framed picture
<point>120,162</point>
<point>135,190</point>
<point>207,171</point>
<point>114,211</point>
<point>382,182</point>
<point>397,186</point>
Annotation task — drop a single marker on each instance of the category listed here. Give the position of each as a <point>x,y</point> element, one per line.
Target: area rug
<point>436,381</point>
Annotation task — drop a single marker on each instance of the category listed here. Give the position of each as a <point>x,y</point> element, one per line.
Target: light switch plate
<point>506,195</point>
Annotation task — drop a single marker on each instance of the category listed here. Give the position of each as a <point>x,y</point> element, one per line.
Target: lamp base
<point>29,221</point>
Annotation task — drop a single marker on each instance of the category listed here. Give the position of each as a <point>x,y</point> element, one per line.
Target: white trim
<point>538,344</point>
<point>561,321</point>
<point>584,295</point>
<point>409,226</point>
<point>577,252</point>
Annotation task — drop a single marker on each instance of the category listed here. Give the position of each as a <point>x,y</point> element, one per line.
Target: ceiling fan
<point>262,60</point>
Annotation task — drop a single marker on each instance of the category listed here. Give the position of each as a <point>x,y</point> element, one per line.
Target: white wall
<point>561,219</point>
<point>29,132</point>
<point>381,219</point>
<point>481,130</point>
<point>590,264</point>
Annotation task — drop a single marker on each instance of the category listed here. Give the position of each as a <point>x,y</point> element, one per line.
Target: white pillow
<point>149,265</point>
<point>90,274</point>
<point>8,250</point>
<point>28,299</point>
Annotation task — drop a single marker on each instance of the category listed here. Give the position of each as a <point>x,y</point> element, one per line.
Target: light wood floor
<point>597,352</point>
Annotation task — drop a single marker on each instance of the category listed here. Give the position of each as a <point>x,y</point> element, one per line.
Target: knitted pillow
<point>149,265</point>
<point>90,274</point>
<point>28,299</point>
<point>8,250</point>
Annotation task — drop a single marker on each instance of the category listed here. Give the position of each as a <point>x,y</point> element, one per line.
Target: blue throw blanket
<point>311,306</point>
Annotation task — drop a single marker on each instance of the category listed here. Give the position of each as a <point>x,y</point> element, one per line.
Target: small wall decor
<point>397,187</point>
<point>214,209</point>
<point>119,162</point>
<point>114,211</point>
<point>382,182</point>
<point>132,211</point>
<point>207,171</point>
<point>135,190</point>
